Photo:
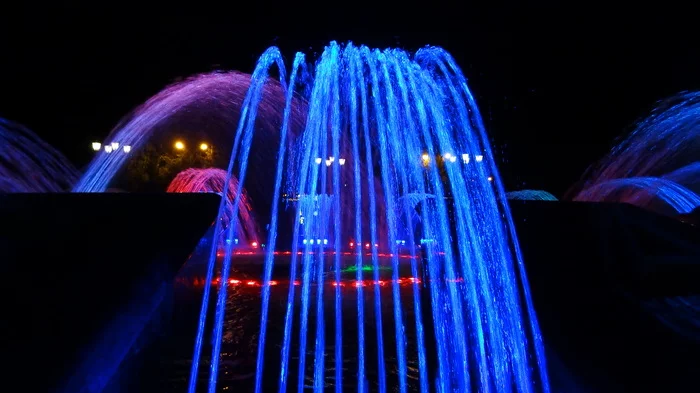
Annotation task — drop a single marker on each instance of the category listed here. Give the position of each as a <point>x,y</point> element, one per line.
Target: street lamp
<point>341,161</point>
<point>179,145</point>
<point>203,147</point>
<point>115,145</point>
<point>126,148</point>
<point>96,146</point>
<point>108,148</point>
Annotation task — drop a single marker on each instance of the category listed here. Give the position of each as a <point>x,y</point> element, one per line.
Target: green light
<point>365,268</point>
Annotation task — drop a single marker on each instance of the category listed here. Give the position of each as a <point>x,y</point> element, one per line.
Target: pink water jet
<point>206,106</point>
<point>213,180</point>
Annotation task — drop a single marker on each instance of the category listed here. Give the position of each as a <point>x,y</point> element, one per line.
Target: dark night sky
<point>557,83</point>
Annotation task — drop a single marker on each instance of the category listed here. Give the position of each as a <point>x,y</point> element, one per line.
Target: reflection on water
<point>168,361</point>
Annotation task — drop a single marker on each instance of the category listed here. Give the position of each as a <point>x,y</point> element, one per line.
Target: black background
<point>557,83</point>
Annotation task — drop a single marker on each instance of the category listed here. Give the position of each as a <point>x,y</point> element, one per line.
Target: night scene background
<point>120,287</point>
<point>557,83</point>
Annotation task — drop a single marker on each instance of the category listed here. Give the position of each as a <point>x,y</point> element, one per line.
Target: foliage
<point>155,166</point>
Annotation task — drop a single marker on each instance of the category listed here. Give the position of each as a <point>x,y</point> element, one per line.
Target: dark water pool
<point>168,359</point>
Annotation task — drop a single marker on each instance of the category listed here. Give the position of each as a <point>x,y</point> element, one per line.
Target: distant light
<point>479,158</point>
<point>115,145</point>
<point>490,178</point>
<point>376,245</point>
<point>341,161</point>
<point>352,244</point>
<point>251,283</point>
<point>273,282</point>
<point>367,245</point>
<point>108,149</point>
<point>319,160</point>
<point>329,162</point>
<point>447,156</point>
<point>254,244</point>
<point>465,158</point>
<point>203,147</point>
<point>426,159</point>
<point>304,241</point>
<point>126,148</point>
<point>325,241</point>
<point>96,146</point>
<point>453,158</point>
<point>331,159</point>
<point>234,281</point>
<point>179,145</point>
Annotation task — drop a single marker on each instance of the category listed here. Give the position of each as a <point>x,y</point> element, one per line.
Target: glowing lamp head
<point>254,244</point>
<point>341,161</point>
<point>203,147</point>
<point>179,145</point>
<point>127,148</point>
<point>108,148</point>
<point>115,145</point>
<point>319,160</point>
<point>96,146</point>
<point>490,178</point>
<point>426,159</point>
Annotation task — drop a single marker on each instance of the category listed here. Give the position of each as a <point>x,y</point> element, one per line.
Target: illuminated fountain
<point>28,164</point>
<point>206,104</point>
<point>386,110</point>
<point>530,195</point>
<point>214,180</point>
<point>657,166</point>
<point>374,156</point>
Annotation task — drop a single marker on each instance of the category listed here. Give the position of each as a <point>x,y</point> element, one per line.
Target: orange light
<point>203,147</point>
<point>273,282</point>
<point>233,281</point>
<point>179,145</point>
<point>251,283</point>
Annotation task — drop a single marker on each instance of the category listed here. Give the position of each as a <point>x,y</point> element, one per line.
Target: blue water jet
<point>29,164</point>
<point>406,126</point>
<point>530,195</point>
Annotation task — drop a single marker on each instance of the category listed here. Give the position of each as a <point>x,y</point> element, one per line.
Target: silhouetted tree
<point>155,166</point>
